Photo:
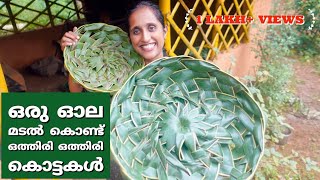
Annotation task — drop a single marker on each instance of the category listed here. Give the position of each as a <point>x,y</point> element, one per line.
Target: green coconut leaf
<point>103,59</point>
<point>186,119</point>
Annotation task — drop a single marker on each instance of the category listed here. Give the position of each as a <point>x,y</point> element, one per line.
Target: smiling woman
<point>147,34</point>
<point>147,31</point>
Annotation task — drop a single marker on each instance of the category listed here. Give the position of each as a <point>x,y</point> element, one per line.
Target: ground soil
<point>305,138</point>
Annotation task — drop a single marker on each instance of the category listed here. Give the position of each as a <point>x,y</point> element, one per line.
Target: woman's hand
<point>69,38</point>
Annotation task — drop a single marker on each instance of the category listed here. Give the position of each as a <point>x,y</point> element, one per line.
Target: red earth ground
<point>305,138</point>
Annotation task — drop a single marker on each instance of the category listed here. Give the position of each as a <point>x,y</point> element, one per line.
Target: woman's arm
<point>73,86</point>
<point>69,39</point>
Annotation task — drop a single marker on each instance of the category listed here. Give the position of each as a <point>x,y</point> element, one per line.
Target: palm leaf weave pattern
<point>183,118</point>
<point>102,59</point>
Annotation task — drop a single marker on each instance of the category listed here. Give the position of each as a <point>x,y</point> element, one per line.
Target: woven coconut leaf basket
<point>102,59</point>
<point>183,118</point>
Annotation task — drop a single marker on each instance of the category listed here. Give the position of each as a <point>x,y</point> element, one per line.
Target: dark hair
<point>155,9</point>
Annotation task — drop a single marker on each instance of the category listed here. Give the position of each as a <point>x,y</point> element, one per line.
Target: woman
<point>146,32</point>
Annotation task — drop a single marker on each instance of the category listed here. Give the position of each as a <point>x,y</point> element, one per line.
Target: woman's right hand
<point>69,38</point>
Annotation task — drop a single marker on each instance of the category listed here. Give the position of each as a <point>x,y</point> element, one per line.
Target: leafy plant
<point>273,161</point>
<point>275,122</point>
<point>272,88</point>
<point>274,80</point>
<point>308,39</point>
<point>310,164</point>
<point>275,165</point>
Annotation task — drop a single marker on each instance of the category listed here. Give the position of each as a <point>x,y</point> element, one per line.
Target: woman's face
<point>146,34</point>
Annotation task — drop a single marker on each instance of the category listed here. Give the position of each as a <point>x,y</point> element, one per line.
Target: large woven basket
<point>183,118</point>
<point>102,59</point>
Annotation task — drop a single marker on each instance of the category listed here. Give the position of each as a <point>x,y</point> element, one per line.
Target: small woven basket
<point>102,59</point>
<point>182,118</point>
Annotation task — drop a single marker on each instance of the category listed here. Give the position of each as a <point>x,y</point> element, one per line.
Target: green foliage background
<point>273,85</point>
<point>59,13</point>
<point>308,40</point>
